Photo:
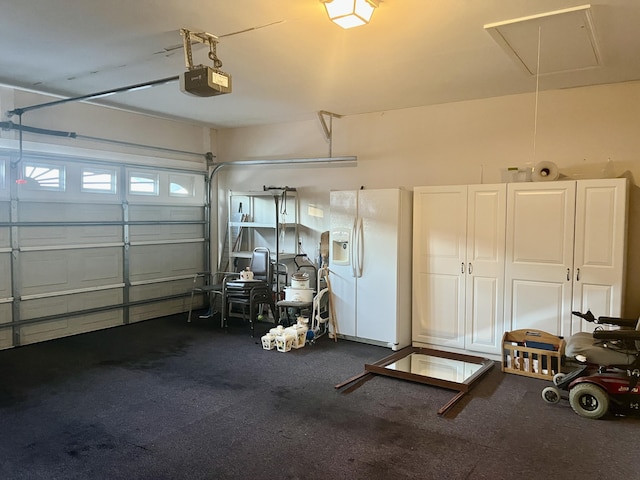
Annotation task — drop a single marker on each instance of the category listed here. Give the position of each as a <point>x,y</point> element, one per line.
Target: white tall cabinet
<point>458,269</point>
<point>493,258</point>
<point>565,251</point>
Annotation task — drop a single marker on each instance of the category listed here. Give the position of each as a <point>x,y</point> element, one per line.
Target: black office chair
<point>252,295</point>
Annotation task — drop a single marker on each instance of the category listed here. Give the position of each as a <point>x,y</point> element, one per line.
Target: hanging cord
<point>535,115</point>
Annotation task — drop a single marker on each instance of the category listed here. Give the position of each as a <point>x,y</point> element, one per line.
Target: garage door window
<point>143,183</point>
<point>42,176</point>
<point>181,186</point>
<point>98,180</point>
<point>2,174</point>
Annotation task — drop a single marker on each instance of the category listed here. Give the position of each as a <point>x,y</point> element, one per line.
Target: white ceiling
<point>294,62</point>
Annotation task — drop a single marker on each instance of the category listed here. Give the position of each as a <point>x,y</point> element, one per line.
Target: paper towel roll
<point>545,172</point>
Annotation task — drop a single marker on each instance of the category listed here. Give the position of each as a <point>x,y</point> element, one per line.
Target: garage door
<point>86,245</point>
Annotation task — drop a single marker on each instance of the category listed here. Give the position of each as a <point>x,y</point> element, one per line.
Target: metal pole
<point>138,86</point>
<point>290,161</point>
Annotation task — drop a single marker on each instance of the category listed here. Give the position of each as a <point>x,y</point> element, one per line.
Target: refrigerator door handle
<point>360,246</point>
<point>352,240</point>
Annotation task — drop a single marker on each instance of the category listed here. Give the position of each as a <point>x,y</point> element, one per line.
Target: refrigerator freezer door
<point>343,283</point>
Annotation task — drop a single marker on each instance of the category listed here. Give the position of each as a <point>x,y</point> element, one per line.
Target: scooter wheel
<point>551,395</point>
<point>558,377</point>
<point>589,400</point>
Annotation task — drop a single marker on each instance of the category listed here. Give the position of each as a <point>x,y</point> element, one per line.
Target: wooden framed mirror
<point>453,371</point>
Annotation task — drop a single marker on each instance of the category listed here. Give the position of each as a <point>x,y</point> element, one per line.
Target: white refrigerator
<point>370,265</point>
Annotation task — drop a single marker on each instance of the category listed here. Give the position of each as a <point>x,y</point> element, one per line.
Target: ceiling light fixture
<point>350,13</point>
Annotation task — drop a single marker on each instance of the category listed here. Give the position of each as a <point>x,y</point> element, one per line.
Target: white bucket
<point>300,280</point>
<point>299,283</point>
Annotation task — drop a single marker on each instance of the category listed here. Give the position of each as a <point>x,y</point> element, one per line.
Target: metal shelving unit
<point>267,218</point>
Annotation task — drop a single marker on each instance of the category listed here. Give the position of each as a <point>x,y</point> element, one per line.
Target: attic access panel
<point>567,40</point>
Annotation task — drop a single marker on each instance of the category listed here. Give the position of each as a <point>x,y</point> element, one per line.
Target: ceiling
<point>289,61</point>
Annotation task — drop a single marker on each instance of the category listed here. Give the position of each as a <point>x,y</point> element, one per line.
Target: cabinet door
<point>601,213</point>
<point>485,267</point>
<point>439,244</point>
<point>539,256</point>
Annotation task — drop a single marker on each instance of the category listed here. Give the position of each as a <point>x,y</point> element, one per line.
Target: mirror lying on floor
<point>453,371</point>
<point>431,366</point>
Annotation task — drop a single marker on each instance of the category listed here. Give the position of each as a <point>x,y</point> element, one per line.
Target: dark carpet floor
<point>164,399</point>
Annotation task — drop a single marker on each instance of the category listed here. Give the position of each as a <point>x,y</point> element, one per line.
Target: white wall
<point>466,142</point>
<point>578,129</point>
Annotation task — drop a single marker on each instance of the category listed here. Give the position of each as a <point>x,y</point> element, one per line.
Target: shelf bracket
<point>328,129</point>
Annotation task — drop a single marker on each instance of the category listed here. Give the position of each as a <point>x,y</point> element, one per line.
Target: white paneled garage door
<point>87,245</point>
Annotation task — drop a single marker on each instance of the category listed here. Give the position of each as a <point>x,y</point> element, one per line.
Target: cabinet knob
<point>577,274</point>
<point>568,274</point>
<point>470,268</point>
<point>462,268</point>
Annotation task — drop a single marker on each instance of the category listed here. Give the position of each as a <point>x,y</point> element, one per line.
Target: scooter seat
<point>595,352</point>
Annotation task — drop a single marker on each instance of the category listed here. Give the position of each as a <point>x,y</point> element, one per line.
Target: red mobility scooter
<point>608,373</point>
